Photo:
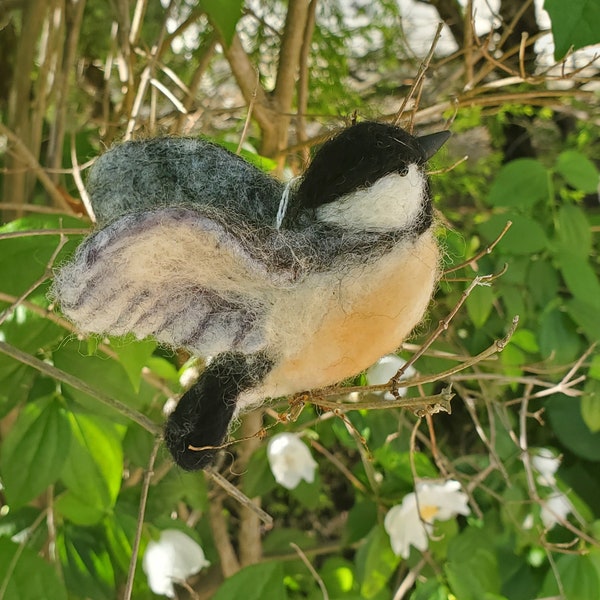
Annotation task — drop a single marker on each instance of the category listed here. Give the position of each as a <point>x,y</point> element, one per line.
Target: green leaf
<point>308,493</point>
<point>430,589</point>
<point>102,373</point>
<point>77,510</point>
<point>399,464</point>
<point>574,231</point>
<point>133,356</point>
<point>526,340</point>
<point>580,278</point>
<point>362,517</point>
<point>94,468</point>
<point>224,15</point>
<point>574,24</point>
<point>376,562</point>
<point>519,184</point>
<point>569,427</point>
<point>23,260</point>
<point>578,577</point>
<point>557,337</point>
<point>163,368</point>
<point>586,316</point>
<point>578,170</point>
<point>595,367</point>
<point>176,486</point>
<point>479,305</point>
<point>256,582</point>
<point>338,576</point>
<point>278,540</point>
<point>542,281</point>
<point>86,563</point>
<point>472,569</point>
<point>258,479</point>
<point>590,405</point>
<point>30,577</point>
<point>34,451</point>
<point>525,236</point>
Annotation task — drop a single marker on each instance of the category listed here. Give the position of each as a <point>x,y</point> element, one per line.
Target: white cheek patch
<point>392,202</point>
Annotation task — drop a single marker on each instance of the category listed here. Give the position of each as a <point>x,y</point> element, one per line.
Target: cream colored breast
<point>330,333</point>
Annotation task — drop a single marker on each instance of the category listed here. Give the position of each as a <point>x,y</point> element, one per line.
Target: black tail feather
<point>204,412</point>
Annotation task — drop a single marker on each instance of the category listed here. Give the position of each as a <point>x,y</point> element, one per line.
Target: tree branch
<point>245,75</point>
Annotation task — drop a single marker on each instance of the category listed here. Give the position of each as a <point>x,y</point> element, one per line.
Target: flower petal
<point>173,557</point>
<point>290,460</point>
<point>384,369</point>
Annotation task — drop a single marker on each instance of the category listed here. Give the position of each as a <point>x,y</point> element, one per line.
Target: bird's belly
<point>334,330</point>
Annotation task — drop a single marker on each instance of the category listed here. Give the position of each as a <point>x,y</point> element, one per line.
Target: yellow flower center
<point>427,512</point>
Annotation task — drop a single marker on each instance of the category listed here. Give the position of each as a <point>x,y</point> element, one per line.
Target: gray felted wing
<point>191,278</point>
<point>159,172</point>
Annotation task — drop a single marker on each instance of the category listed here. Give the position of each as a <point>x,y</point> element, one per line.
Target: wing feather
<point>191,278</point>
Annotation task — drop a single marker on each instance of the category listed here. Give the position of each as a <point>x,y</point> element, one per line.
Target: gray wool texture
<point>146,174</point>
<point>187,251</point>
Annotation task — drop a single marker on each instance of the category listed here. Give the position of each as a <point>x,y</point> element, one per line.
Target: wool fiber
<point>189,250</point>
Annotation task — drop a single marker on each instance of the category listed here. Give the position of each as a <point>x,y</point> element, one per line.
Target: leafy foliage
<point>74,469</point>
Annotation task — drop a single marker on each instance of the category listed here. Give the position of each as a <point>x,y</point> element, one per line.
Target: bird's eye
<point>403,171</point>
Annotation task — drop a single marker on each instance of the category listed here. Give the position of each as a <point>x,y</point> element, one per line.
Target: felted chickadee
<point>196,248</point>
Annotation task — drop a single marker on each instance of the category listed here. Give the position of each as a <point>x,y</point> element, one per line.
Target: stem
<point>80,385</point>
<point>140,521</point>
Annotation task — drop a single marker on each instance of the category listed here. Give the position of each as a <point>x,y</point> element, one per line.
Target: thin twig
<point>487,250</point>
<point>415,88</point>
<point>444,324</point>
<point>46,275</point>
<point>82,386</point>
<point>248,115</point>
<point>334,460</point>
<point>140,520</point>
<point>312,570</point>
<point>35,166</point>
<point>9,235</point>
<point>231,490</point>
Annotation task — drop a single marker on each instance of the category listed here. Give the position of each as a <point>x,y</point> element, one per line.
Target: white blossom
<point>555,509</point>
<point>411,523</point>
<point>546,464</point>
<point>384,369</point>
<point>404,527</point>
<point>290,460</point>
<point>173,557</point>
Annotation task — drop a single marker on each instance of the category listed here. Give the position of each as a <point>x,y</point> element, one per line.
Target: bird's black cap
<point>359,156</point>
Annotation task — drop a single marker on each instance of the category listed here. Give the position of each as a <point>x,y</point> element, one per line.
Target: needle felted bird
<point>196,248</point>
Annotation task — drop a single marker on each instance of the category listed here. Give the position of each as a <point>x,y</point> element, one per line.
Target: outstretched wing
<point>191,278</point>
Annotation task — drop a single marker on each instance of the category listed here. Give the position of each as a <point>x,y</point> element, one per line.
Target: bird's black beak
<point>433,142</point>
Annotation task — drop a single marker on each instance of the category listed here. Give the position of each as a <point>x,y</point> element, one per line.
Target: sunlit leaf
<point>590,405</point>
<point>29,577</point>
<point>256,582</point>
<point>578,170</point>
<point>93,470</point>
<point>375,562</point>
<point>34,451</point>
<point>579,578</point>
<point>574,24</point>
<point>472,567</point>
<point>224,15</point>
<point>521,183</point>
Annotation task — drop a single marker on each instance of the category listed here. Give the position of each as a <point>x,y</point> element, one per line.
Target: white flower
<point>174,557</point>
<point>384,369</point>
<point>411,523</point>
<point>290,460</point>
<point>555,509</point>
<point>546,464</point>
<point>404,527</point>
<point>442,501</point>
